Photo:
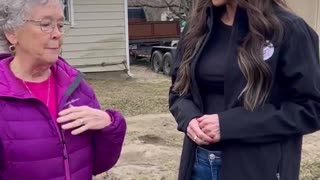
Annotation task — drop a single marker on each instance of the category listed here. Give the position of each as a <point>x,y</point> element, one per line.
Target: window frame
<point>68,12</point>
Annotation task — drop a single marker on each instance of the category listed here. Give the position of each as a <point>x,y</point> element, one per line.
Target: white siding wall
<point>98,35</point>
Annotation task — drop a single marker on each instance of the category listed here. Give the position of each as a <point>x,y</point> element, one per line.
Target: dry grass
<point>146,93</point>
<point>131,97</point>
<point>310,170</point>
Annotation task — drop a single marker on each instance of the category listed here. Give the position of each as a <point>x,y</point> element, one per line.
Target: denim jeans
<point>207,165</point>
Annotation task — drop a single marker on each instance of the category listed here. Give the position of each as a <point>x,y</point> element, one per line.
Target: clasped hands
<point>204,130</point>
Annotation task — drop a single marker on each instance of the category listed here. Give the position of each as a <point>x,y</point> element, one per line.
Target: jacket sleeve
<point>299,73</point>
<point>107,143</point>
<point>182,108</point>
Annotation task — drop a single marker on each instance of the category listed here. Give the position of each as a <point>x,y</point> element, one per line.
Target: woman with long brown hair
<point>245,89</point>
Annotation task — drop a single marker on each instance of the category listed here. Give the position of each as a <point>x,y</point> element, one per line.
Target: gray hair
<point>12,14</point>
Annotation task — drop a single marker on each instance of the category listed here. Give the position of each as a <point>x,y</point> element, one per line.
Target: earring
<point>12,48</point>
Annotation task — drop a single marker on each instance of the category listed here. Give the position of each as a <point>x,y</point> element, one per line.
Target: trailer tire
<point>167,63</point>
<point>157,61</point>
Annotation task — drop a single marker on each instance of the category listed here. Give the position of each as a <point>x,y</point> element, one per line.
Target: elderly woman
<point>51,125</point>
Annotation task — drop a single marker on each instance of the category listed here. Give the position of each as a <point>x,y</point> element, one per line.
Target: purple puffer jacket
<point>34,147</point>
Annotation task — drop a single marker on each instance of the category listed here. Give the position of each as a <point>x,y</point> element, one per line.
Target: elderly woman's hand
<point>83,118</point>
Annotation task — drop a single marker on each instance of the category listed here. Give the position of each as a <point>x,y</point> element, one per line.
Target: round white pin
<point>268,51</point>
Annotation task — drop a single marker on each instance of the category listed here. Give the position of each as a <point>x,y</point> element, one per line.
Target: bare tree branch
<point>186,5</point>
<point>173,10</point>
<point>154,6</point>
<point>178,7</point>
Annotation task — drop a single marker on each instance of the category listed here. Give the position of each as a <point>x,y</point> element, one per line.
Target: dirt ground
<point>153,145</point>
<point>151,151</point>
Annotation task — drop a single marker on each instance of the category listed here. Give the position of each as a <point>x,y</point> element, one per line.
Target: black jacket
<point>264,144</point>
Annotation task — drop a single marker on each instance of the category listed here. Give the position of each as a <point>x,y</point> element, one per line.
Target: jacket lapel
<point>194,86</point>
<point>234,79</point>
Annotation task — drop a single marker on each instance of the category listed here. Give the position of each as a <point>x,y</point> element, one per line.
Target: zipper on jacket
<point>278,174</point>
<point>65,96</point>
<point>64,147</point>
<point>65,156</point>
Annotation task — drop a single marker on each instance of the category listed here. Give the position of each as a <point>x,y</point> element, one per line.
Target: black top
<point>210,71</point>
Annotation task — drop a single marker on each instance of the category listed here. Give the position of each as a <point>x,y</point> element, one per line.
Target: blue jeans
<point>207,165</point>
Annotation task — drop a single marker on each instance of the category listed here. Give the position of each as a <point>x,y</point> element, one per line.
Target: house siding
<point>97,37</point>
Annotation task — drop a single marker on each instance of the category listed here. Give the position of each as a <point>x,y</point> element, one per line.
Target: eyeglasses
<point>48,25</point>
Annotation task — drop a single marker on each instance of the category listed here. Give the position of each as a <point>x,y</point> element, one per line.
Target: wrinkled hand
<point>196,134</point>
<point>210,125</point>
<point>83,118</point>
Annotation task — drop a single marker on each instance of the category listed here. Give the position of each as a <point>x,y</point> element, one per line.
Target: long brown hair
<point>263,25</point>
